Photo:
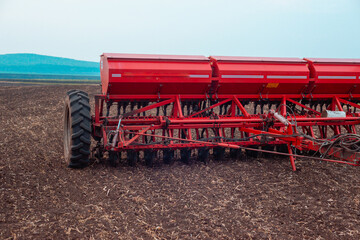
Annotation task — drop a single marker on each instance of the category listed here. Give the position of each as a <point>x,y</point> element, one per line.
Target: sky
<point>84,29</point>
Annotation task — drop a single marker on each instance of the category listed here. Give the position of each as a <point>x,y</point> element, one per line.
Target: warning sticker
<point>272,85</point>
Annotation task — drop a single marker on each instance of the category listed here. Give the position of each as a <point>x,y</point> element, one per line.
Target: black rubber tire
<point>77,129</point>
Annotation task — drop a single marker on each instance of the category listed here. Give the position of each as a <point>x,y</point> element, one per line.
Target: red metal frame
<point>134,128</point>
<point>281,81</point>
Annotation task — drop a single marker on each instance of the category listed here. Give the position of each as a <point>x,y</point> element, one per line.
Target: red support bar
<point>332,105</point>
<point>189,135</point>
<point>232,110</point>
<point>211,107</point>
<point>337,103</point>
<point>303,106</point>
<point>311,129</point>
<point>137,135</point>
<point>149,107</point>
<point>276,135</point>
<point>241,107</point>
<point>97,110</point>
<point>177,108</point>
<point>349,103</point>
<point>283,106</point>
<point>292,159</point>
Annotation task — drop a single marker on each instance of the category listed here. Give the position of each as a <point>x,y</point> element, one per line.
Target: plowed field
<point>231,199</point>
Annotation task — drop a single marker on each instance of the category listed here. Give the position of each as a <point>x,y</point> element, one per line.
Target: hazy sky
<point>83,29</point>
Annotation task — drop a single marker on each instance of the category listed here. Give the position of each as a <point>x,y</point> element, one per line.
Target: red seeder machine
<point>164,106</point>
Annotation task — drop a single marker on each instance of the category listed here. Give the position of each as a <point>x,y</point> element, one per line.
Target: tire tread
<point>79,106</point>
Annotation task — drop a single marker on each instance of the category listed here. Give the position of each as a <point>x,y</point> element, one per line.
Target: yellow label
<point>272,85</point>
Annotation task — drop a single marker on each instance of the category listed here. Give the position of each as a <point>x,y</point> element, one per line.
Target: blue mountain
<point>33,64</point>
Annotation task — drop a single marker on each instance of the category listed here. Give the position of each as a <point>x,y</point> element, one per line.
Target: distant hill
<point>26,68</point>
<point>25,63</point>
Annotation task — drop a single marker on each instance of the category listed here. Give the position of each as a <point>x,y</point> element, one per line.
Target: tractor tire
<point>77,129</point>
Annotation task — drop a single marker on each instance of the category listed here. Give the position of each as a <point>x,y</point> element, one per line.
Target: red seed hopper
<point>151,74</point>
<point>250,75</point>
<point>337,76</point>
<point>196,108</point>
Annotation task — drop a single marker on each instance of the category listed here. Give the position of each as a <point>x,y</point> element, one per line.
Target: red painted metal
<point>194,102</point>
<point>239,75</point>
<point>154,74</point>
<point>335,75</point>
